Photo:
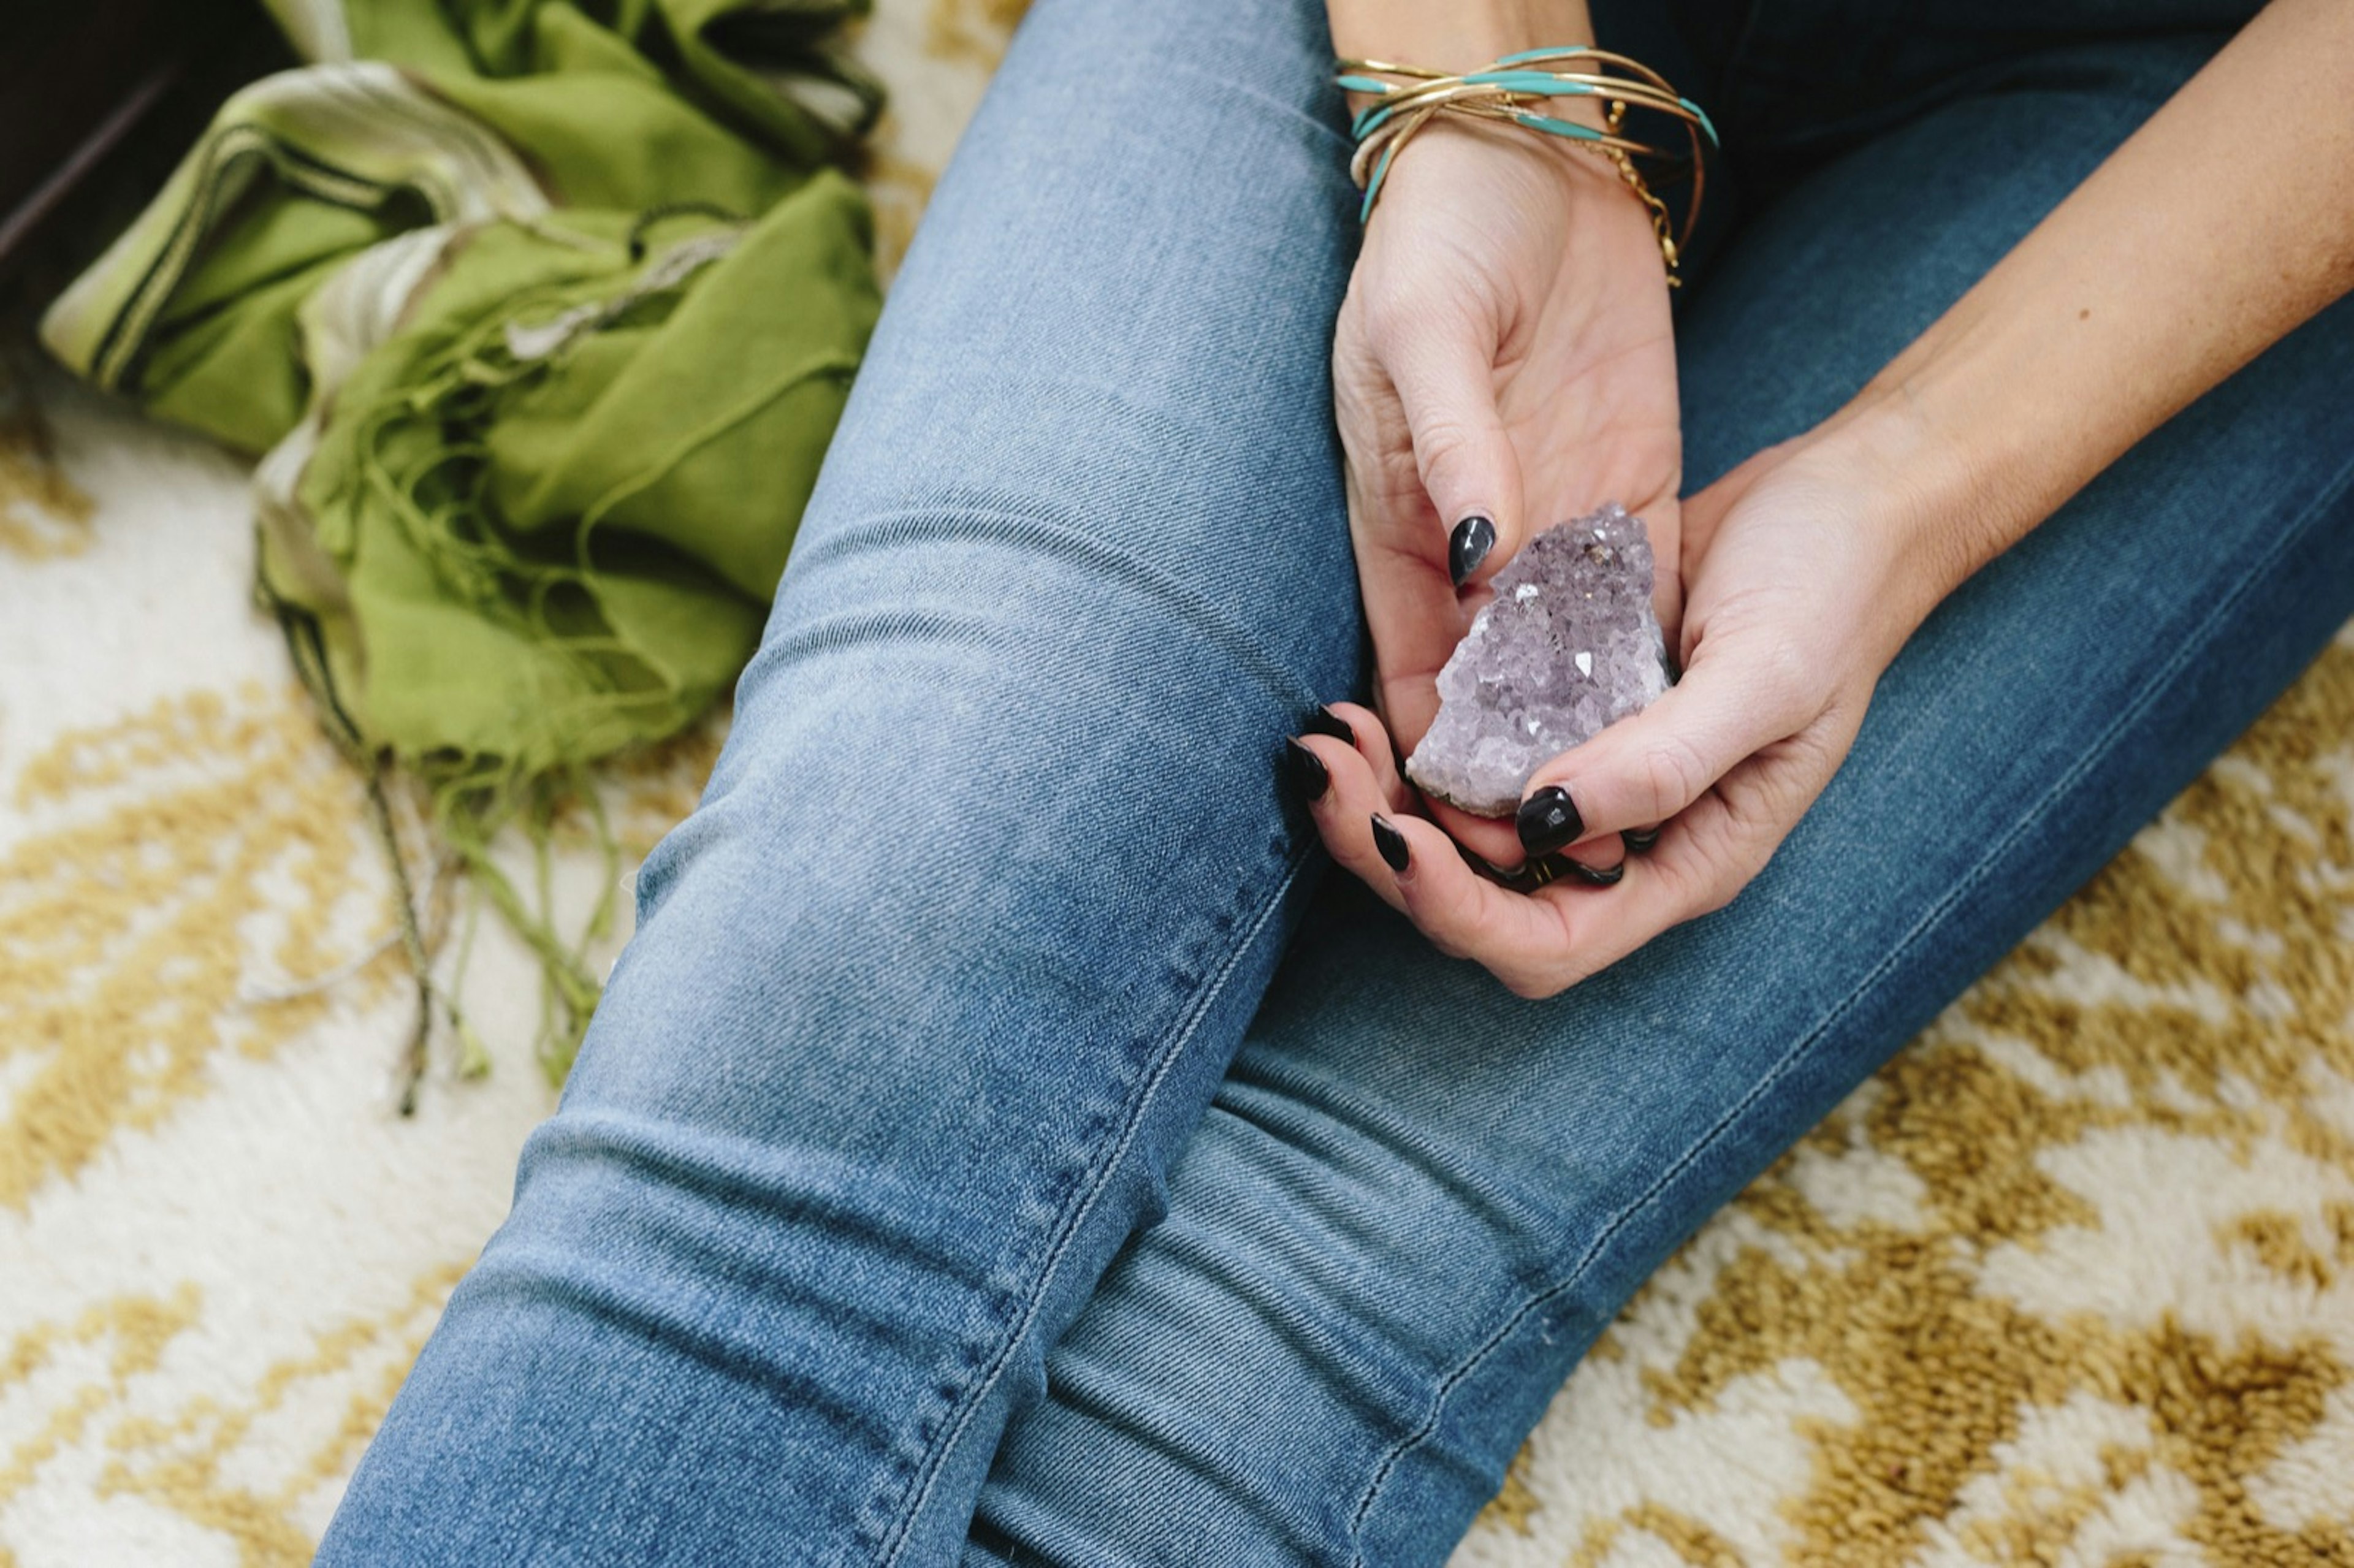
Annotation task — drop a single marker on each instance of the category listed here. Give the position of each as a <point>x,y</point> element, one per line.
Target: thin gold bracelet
<point>1513,90</point>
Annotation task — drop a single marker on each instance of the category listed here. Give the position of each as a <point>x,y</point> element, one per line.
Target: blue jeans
<point>1000,1142</point>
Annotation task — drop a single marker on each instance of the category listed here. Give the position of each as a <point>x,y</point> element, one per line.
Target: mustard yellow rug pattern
<point>2070,1283</point>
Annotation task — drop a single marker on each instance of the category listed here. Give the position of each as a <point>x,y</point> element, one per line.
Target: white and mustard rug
<point>2070,1283</point>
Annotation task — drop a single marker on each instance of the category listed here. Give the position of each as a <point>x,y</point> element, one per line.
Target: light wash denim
<point>1001,1142</point>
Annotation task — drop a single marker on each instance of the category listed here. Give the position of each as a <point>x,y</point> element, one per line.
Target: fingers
<point>1491,839</point>
<point>1716,847</point>
<point>1537,943</point>
<point>1435,494</point>
<point>1546,925</point>
<point>1647,767</point>
<point>1521,939</point>
<point>1542,942</point>
<point>1345,784</point>
<point>1343,769</point>
<point>1360,729</point>
<point>1446,452</point>
<point>1468,466</point>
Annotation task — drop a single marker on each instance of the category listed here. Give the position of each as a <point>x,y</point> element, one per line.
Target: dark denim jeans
<point>999,1142</point>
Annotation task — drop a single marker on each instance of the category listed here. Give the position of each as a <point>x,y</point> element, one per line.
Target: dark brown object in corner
<point>84,83</point>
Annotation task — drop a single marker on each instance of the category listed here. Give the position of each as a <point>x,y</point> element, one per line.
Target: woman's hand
<point>1504,362</point>
<point>1807,567</point>
<point>1804,574</point>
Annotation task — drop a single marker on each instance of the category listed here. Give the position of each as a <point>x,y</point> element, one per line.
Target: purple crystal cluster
<point>1568,644</point>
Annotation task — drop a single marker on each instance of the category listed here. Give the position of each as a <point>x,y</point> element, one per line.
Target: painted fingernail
<point>1639,840</point>
<point>1593,876</point>
<point>1391,842</point>
<point>1469,546</point>
<point>1548,819</point>
<point>1306,770</point>
<point>1541,869</point>
<point>1324,721</point>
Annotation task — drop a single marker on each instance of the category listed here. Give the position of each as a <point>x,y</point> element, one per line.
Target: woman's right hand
<point>1503,361</point>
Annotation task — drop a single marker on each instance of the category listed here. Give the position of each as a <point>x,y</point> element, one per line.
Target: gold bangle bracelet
<point>1511,91</point>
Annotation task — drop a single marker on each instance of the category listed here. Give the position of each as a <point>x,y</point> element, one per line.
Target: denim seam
<point>1292,109</point>
<point>895,1541</point>
<point>2106,743</point>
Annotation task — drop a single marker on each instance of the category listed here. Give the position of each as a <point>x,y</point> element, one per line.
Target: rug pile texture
<point>2070,1282</point>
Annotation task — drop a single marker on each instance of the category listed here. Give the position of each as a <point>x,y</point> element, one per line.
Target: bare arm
<point>2223,223</point>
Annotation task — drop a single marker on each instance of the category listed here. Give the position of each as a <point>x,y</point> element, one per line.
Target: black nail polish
<point>1640,840</point>
<point>1391,842</point>
<point>1469,546</point>
<point>1324,721</point>
<point>1532,873</point>
<point>1592,876</point>
<point>1548,819</point>
<point>1306,770</point>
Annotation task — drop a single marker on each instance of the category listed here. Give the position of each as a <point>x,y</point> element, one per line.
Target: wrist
<point>1992,423</point>
<point>1577,181</point>
<point>1526,89</point>
<point>1529,195</point>
<point>1922,500</point>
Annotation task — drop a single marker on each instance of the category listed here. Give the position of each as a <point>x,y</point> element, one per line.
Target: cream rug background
<point>2070,1282</point>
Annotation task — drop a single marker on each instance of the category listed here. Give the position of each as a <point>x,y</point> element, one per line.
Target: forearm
<point>1453,35</point>
<point>2205,238</point>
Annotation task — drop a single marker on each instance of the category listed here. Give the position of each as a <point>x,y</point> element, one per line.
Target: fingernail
<point>1594,876</point>
<point>1541,869</point>
<point>1469,546</point>
<point>1640,840</point>
<point>1392,844</point>
<point>1324,721</point>
<point>1548,819</point>
<point>1306,770</point>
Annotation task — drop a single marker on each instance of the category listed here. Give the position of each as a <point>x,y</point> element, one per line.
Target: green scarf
<point>540,313</point>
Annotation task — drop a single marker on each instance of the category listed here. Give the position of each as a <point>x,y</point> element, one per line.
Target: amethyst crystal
<point>1568,644</point>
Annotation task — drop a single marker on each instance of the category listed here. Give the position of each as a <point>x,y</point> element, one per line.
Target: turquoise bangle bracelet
<point>1503,91</point>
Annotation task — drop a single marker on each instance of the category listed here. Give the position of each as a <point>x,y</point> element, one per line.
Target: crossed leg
<point>1415,1200</point>
<point>928,993</point>
<point>937,998</point>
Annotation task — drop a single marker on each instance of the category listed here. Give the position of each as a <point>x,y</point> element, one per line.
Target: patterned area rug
<point>2070,1282</point>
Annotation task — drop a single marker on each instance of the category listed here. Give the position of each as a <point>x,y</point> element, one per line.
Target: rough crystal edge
<point>1609,513</point>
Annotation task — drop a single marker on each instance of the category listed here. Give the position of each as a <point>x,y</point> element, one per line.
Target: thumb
<point>1468,464</point>
<point>1647,767</point>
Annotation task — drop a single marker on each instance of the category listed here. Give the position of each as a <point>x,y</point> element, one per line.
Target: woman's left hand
<point>1805,571</point>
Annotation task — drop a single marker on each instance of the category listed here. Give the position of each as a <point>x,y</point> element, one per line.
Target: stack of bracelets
<point>1513,90</point>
